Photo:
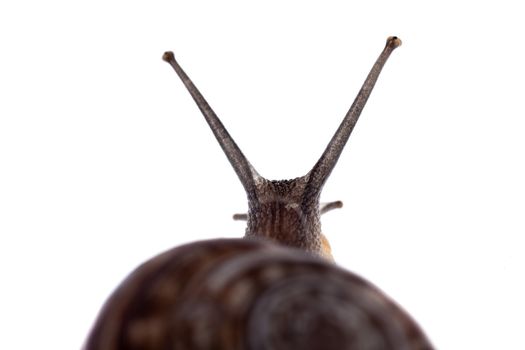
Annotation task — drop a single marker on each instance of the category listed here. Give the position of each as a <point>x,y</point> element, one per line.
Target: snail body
<point>277,288</point>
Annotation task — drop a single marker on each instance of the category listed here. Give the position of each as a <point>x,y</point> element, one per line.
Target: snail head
<point>288,211</point>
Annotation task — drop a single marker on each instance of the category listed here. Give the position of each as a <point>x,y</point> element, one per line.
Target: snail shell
<point>249,294</point>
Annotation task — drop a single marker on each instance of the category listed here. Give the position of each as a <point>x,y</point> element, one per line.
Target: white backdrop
<point>106,161</point>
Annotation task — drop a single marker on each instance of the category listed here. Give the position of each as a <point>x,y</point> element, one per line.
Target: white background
<point>106,161</point>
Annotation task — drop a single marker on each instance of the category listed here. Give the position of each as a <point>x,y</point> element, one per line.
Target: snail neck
<point>284,212</point>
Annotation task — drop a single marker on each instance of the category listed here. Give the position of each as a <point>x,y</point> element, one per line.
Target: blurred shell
<point>249,294</point>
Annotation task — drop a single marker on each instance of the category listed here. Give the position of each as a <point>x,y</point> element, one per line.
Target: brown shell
<point>249,294</point>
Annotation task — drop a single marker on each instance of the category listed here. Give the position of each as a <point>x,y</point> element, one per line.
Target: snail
<point>276,288</point>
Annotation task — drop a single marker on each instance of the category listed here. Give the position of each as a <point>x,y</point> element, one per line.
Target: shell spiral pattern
<point>249,294</point>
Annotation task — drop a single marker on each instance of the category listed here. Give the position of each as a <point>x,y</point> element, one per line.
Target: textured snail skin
<point>288,211</point>
<point>249,294</point>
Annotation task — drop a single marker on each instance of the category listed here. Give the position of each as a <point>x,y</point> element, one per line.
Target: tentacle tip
<point>393,42</point>
<point>240,217</point>
<point>338,204</point>
<point>168,56</point>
